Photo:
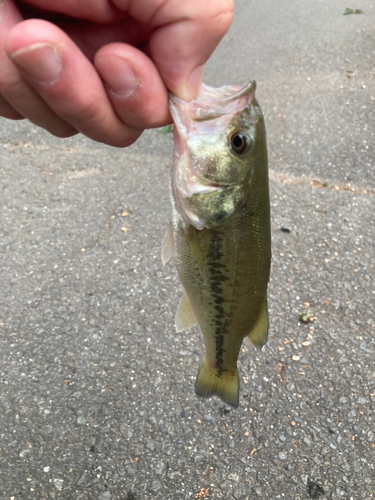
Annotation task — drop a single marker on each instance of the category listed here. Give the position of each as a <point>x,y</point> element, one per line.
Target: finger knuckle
<point>123,140</point>
<point>84,112</point>
<point>8,111</point>
<point>63,131</point>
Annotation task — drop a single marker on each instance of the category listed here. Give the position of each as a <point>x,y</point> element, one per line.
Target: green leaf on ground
<point>352,11</point>
<point>167,129</point>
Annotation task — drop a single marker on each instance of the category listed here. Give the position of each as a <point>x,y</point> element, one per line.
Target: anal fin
<point>259,333</point>
<point>185,316</point>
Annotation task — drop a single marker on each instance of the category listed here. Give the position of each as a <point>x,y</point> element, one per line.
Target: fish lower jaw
<point>190,218</point>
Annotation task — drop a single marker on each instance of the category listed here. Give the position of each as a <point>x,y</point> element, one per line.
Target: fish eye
<point>240,143</point>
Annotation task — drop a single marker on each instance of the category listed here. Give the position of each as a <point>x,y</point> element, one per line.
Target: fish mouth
<point>206,206</point>
<point>203,189</point>
<point>214,102</point>
<point>189,187</point>
<point>220,95</point>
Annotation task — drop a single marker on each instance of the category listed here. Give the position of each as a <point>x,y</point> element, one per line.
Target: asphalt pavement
<point>97,389</point>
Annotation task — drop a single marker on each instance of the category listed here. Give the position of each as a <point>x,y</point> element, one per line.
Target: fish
<point>219,233</point>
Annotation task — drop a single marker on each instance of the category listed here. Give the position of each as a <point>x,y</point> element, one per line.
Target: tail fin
<point>209,383</point>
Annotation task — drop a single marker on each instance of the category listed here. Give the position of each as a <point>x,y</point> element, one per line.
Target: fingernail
<point>41,61</point>
<point>195,82</point>
<point>189,90</point>
<point>118,75</point>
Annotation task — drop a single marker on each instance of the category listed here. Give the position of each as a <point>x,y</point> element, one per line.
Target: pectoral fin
<point>209,383</point>
<point>192,239</point>
<point>167,248</point>
<point>259,333</point>
<point>185,317</point>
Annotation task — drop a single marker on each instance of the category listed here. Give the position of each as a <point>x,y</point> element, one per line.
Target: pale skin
<point>104,67</point>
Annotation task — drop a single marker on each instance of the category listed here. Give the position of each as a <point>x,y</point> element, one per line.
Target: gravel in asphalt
<point>97,389</point>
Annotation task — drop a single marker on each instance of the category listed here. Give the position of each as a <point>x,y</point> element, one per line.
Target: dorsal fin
<point>185,316</point>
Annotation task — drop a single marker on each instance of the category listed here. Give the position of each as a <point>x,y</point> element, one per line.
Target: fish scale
<point>220,230</point>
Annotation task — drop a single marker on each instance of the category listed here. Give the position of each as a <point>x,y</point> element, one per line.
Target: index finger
<point>186,32</point>
<point>99,11</point>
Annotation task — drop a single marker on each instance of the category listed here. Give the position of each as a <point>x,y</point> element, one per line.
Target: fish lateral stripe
<point>192,239</point>
<point>217,267</point>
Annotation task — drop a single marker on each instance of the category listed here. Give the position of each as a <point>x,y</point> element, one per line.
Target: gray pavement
<point>97,390</point>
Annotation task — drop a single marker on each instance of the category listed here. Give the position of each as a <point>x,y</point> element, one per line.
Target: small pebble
<point>233,477</point>
<point>305,479</point>
<point>58,483</point>
<point>151,445</point>
<point>209,419</point>
<point>106,495</point>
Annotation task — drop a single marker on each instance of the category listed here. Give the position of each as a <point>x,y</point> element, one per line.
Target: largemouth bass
<point>220,228</point>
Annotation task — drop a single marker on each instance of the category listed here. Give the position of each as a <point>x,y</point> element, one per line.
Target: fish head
<point>218,141</point>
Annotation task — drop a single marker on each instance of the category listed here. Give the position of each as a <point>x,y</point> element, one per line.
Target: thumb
<point>181,48</point>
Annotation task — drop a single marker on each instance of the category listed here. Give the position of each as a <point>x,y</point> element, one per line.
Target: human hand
<point>104,67</point>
